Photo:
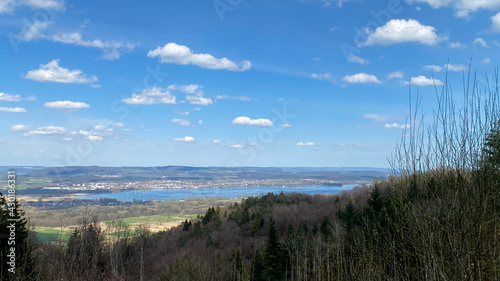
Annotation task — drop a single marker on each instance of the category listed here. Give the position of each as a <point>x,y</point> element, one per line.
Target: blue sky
<point>228,83</point>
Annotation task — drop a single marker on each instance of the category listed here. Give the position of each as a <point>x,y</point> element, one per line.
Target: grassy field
<point>51,234</point>
<point>155,223</point>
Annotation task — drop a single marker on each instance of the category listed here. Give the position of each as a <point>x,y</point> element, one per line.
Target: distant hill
<point>73,174</point>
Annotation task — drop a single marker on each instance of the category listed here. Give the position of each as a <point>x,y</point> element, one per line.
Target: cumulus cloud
<point>12,109</point>
<point>199,100</point>
<point>309,143</point>
<point>18,128</point>
<point>47,130</point>
<point>112,49</point>
<point>396,74</point>
<point>456,45</point>
<point>194,91</point>
<point>52,72</point>
<point>424,81</point>
<point>188,89</point>
<point>462,7</point>
<point>285,126</point>
<point>81,132</point>
<point>356,59</point>
<point>155,95</point>
<point>216,141</point>
<point>448,67</point>
<point>66,104</point>
<point>319,76</point>
<point>236,146</point>
<point>455,67</point>
<point>243,120</point>
<point>480,41</point>
<point>180,54</point>
<point>495,22</point>
<point>185,139</point>
<point>402,31</point>
<point>7,97</point>
<point>435,68</point>
<point>486,60</point>
<point>361,78</point>
<point>226,97</point>
<point>375,117</point>
<point>94,138</point>
<point>35,31</point>
<point>8,6</point>
<point>181,122</point>
<point>397,126</point>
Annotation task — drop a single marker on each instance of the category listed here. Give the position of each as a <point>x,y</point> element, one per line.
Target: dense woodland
<point>436,218</point>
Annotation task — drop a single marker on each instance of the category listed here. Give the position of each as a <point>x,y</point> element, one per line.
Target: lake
<point>233,192</point>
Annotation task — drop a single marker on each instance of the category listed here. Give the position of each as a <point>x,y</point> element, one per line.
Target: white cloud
<point>486,60</point>
<point>47,130</point>
<point>118,124</point>
<point>185,113</point>
<point>375,117</point>
<point>7,97</point>
<point>200,122</point>
<point>155,95</point>
<point>81,132</point>
<point>236,146</point>
<point>35,31</point>
<point>324,76</point>
<point>94,138</point>
<point>199,100</point>
<point>397,126</point>
<point>285,126</point>
<point>216,141</point>
<point>226,97</point>
<point>481,42</point>
<point>424,81</point>
<point>188,89</point>
<point>196,109</point>
<point>195,93</point>
<point>12,109</point>
<point>185,139</point>
<point>98,127</point>
<point>361,78</point>
<point>309,143</point>
<point>66,105</point>
<point>462,7</point>
<point>52,72</point>
<point>112,49</point>
<point>455,67</point>
<point>8,6</point>
<point>456,45</point>
<point>180,54</point>
<point>243,120</point>
<point>402,31</point>
<point>356,59</point>
<point>181,122</point>
<point>495,22</point>
<point>435,68</point>
<point>18,128</point>
<point>396,74</point>
<point>448,67</point>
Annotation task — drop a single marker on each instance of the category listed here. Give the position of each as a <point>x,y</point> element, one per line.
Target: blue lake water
<point>233,192</point>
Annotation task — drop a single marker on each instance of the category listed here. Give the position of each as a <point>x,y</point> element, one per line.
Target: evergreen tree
<point>492,147</point>
<point>20,263</point>
<point>273,267</point>
<point>350,216</point>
